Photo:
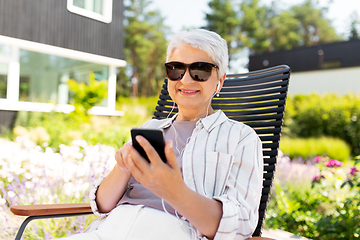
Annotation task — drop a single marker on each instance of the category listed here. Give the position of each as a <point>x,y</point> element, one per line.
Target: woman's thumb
<point>170,155</point>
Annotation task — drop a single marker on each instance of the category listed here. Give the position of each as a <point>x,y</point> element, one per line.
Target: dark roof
<point>322,56</point>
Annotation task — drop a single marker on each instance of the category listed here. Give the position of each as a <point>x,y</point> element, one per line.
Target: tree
<point>283,32</point>
<point>225,22</point>
<point>265,29</point>
<point>314,27</point>
<point>354,33</point>
<point>255,33</point>
<point>145,45</point>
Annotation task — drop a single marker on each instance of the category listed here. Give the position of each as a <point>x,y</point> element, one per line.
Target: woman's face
<point>192,97</point>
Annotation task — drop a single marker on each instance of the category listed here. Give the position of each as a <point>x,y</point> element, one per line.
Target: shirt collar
<point>213,120</point>
<point>168,121</point>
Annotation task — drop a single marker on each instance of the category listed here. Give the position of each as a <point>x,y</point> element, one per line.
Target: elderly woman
<point>211,185</point>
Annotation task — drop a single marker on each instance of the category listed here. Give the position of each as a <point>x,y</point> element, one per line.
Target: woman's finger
<point>122,156</point>
<point>149,150</point>
<point>137,160</point>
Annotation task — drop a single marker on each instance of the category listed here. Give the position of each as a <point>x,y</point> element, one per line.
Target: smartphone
<point>154,136</point>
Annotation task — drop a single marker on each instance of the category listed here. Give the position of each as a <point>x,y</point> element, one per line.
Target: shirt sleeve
<point>92,196</point>
<point>241,197</point>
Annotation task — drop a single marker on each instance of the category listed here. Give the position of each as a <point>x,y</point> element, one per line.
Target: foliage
<point>86,96</point>
<point>254,26</point>
<point>308,148</point>
<point>145,46</point>
<point>284,32</point>
<point>331,115</point>
<point>224,21</point>
<point>314,28</point>
<point>62,128</point>
<point>326,209</point>
<point>55,128</point>
<point>354,179</point>
<point>354,26</point>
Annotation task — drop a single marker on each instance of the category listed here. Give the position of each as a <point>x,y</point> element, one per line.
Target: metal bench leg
<point>23,226</point>
<point>29,219</point>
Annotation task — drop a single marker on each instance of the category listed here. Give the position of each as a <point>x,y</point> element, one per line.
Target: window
<point>43,77</point>
<point>24,88</point>
<point>3,79</point>
<point>100,10</point>
<point>5,50</point>
<point>332,64</point>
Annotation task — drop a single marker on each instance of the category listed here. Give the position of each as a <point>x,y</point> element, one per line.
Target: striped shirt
<point>223,160</point>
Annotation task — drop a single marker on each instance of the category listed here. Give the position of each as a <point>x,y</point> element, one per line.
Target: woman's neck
<point>189,115</point>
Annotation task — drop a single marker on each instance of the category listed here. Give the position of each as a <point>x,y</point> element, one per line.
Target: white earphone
<point>218,87</point>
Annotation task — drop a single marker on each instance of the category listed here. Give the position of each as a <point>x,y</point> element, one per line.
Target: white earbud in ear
<point>218,87</point>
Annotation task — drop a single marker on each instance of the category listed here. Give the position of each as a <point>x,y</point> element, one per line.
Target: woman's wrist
<point>112,188</point>
<point>122,171</point>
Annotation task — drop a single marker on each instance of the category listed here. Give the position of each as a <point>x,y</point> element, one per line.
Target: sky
<point>181,14</point>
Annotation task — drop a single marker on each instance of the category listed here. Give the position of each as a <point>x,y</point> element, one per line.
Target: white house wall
<point>341,81</point>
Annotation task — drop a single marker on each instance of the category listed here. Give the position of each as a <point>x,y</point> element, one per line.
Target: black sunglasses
<point>199,71</point>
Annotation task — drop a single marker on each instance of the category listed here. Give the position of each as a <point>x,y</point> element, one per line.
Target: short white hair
<point>210,42</point>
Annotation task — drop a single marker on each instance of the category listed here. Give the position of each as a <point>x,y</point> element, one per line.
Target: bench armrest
<point>50,209</point>
<point>262,238</point>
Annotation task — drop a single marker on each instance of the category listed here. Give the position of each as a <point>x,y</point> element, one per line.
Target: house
<point>43,43</point>
<point>332,67</point>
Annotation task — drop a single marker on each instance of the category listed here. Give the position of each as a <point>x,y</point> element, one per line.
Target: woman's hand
<point>122,156</point>
<point>160,178</point>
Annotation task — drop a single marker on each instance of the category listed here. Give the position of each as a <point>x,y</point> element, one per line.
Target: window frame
<point>105,17</point>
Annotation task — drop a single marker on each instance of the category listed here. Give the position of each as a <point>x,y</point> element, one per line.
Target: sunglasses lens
<point>175,70</point>
<point>200,71</point>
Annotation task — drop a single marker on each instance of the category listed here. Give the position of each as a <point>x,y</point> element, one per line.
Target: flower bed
<point>30,174</point>
<point>322,202</point>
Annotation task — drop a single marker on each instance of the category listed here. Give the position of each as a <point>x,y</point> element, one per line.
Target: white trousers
<point>137,222</point>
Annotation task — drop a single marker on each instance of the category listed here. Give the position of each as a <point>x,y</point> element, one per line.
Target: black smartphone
<point>154,136</point>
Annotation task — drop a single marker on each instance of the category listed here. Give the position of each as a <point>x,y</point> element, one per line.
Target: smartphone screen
<point>155,138</point>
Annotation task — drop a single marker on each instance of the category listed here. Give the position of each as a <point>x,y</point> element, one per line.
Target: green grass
<point>311,147</point>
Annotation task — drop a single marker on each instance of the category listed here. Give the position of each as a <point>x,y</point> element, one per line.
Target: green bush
<point>60,126</point>
<point>311,147</point>
<point>87,95</point>
<point>332,115</point>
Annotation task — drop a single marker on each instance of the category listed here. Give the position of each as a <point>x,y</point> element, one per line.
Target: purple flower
<point>317,178</point>
<point>334,163</point>
<point>317,159</point>
<point>353,171</point>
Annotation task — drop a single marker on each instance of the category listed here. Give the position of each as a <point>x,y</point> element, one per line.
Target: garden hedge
<point>330,115</point>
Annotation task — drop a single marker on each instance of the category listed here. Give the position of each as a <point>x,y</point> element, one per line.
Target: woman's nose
<point>187,79</point>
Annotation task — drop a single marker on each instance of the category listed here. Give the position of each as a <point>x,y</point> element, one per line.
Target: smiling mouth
<point>188,91</point>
